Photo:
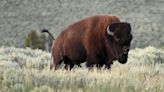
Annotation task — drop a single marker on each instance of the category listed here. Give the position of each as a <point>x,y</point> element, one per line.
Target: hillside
<point>18,17</point>
<point>26,70</point>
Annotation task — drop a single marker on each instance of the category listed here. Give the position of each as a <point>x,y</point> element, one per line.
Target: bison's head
<point>120,36</point>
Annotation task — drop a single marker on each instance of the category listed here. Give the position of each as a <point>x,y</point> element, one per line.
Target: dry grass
<point>26,70</point>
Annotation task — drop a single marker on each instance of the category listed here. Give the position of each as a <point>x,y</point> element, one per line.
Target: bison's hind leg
<point>51,66</point>
<point>67,66</point>
<point>67,63</point>
<point>56,63</point>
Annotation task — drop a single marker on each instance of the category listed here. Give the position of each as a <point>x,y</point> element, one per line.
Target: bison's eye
<point>117,38</point>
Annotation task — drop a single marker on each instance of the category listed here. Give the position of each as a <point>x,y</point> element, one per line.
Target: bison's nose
<point>123,58</point>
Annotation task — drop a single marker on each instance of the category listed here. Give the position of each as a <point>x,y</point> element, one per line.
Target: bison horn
<point>109,32</point>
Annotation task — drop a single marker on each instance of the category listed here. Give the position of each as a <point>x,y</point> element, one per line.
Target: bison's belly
<point>76,52</point>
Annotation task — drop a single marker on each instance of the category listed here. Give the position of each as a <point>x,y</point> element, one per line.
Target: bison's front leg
<point>78,65</point>
<point>71,66</point>
<point>91,61</point>
<point>66,66</point>
<point>107,66</point>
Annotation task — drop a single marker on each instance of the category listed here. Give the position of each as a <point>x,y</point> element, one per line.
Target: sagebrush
<point>26,70</point>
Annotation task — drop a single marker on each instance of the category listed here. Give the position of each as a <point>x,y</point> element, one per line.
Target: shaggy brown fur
<point>88,40</point>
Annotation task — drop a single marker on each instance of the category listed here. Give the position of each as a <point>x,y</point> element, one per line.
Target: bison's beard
<point>123,58</point>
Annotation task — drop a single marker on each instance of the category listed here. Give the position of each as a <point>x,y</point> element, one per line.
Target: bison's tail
<point>45,30</point>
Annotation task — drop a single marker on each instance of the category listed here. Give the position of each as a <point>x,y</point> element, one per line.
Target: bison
<point>96,40</point>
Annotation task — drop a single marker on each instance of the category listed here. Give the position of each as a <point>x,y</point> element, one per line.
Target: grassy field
<point>26,70</point>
